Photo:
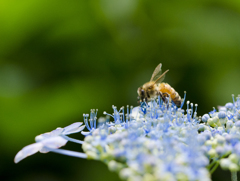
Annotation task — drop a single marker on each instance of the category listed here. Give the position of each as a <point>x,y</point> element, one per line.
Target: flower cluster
<point>154,141</point>
<point>220,136</point>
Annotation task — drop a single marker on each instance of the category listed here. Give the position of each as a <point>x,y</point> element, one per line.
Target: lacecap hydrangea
<point>154,141</point>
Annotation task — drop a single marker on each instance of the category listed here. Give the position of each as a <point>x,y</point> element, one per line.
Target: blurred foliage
<point>59,59</point>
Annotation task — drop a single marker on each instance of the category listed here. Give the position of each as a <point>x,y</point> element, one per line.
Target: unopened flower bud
<point>229,124</point>
<point>233,167</point>
<point>114,166</point>
<point>88,139</point>
<point>225,163</point>
<point>220,139</point>
<point>222,115</point>
<point>233,158</point>
<point>212,153</point>
<point>125,173</point>
<point>205,118</point>
<point>229,105</point>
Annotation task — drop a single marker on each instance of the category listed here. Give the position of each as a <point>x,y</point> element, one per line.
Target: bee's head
<point>141,93</point>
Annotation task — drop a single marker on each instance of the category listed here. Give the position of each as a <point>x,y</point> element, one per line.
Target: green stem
<point>215,167</point>
<point>234,176</point>
<point>216,162</point>
<point>211,164</point>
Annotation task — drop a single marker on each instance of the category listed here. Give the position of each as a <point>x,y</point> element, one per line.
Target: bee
<point>156,87</point>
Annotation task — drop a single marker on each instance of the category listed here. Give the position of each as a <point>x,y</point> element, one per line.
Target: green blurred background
<point>59,59</point>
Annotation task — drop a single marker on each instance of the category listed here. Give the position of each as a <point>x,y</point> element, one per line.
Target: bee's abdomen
<point>166,88</point>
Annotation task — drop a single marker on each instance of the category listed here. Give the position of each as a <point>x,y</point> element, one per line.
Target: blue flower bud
<point>204,149</point>
<point>224,134</point>
<point>228,138</point>
<point>220,150</point>
<point>112,129</point>
<point>237,124</point>
<point>229,105</point>
<point>201,127</point>
<point>221,130</point>
<point>205,117</point>
<point>201,139</point>
<point>227,149</point>
<point>222,115</point>
<point>233,140</point>
<point>229,124</point>
<point>207,135</point>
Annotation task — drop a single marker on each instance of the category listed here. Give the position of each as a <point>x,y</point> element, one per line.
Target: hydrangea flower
<point>154,141</point>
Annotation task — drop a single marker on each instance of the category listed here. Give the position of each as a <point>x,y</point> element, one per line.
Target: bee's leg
<point>159,93</point>
<point>145,99</point>
<point>148,95</point>
<point>164,97</point>
<point>161,96</point>
<point>142,96</point>
<point>166,94</point>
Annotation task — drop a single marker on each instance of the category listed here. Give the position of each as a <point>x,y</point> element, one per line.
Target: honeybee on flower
<point>156,87</point>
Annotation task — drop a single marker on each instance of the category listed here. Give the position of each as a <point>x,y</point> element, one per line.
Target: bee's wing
<point>156,73</point>
<point>160,78</point>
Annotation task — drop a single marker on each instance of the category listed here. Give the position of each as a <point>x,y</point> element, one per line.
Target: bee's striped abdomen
<point>166,88</point>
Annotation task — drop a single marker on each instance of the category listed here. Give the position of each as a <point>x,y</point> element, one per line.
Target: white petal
<point>73,128</point>
<point>47,135</point>
<point>42,136</point>
<point>57,132</point>
<point>74,131</point>
<point>27,151</point>
<point>54,142</point>
<point>44,150</point>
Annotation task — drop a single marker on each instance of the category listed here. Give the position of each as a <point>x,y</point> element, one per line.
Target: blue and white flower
<point>50,141</point>
<point>154,141</point>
